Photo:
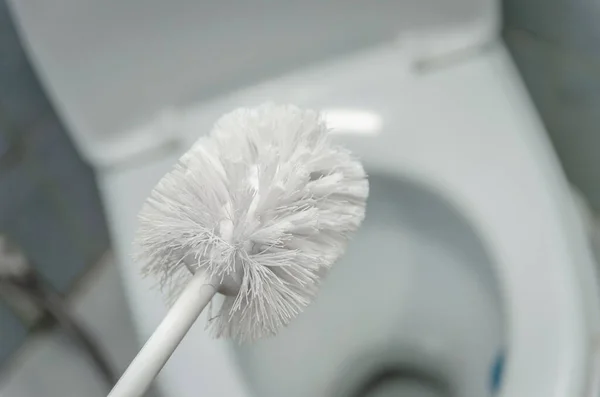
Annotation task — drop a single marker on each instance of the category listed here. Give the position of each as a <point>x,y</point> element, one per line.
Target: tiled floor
<point>49,365</point>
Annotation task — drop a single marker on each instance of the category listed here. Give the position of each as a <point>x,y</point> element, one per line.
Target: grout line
<point>34,333</point>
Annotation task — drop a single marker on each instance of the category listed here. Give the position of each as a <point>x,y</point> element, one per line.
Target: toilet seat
<point>466,130</point>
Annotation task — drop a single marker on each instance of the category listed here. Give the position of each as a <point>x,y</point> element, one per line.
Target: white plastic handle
<point>163,342</point>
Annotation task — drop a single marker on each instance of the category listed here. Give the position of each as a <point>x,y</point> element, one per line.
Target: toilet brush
<point>257,211</point>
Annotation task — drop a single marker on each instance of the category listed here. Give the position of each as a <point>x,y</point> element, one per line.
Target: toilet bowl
<point>472,275</point>
<point>472,252</point>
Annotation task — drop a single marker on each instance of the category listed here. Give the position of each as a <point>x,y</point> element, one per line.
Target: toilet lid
<point>469,131</point>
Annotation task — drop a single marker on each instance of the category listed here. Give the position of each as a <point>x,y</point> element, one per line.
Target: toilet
<point>472,275</point>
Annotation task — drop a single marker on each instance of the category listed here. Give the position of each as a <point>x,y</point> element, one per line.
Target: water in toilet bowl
<point>397,383</point>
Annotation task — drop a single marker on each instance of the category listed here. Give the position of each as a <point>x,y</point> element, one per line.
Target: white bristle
<point>265,200</point>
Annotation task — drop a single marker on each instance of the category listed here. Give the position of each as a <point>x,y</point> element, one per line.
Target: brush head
<point>265,204</point>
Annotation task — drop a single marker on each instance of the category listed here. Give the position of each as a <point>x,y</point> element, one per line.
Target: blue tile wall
<point>572,24</point>
<point>556,46</point>
<point>49,201</point>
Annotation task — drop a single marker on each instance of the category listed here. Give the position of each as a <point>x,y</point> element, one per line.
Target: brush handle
<point>163,342</point>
